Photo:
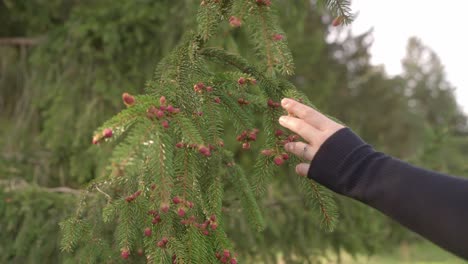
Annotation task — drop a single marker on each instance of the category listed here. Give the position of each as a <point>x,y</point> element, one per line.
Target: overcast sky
<point>441,25</point>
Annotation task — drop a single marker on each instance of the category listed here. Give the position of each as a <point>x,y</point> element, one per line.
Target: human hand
<point>314,127</point>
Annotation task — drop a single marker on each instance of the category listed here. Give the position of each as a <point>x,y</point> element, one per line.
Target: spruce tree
<point>169,170</point>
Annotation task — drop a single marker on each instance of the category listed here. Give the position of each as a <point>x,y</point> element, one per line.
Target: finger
<point>301,150</point>
<point>308,114</point>
<point>302,169</point>
<point>299,127</point>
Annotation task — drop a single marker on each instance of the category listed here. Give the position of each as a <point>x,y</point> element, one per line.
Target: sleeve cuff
<point>336,154</point>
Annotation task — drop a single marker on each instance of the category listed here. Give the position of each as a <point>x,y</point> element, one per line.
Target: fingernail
<point>287,147</point>
<point>285,102</point>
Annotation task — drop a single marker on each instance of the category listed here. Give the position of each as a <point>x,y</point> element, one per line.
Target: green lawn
<point>421,253</point>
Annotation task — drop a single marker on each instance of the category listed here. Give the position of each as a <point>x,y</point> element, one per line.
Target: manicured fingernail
<point>285,102</point>
<point>287,147</point>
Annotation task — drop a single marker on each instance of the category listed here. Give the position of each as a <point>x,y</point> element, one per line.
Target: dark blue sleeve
<point>429,203</point>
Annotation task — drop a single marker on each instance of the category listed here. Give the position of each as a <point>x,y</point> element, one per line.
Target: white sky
<point>441,25</point>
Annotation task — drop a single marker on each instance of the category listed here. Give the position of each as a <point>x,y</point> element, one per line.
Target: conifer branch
<point>327,218</point>
<point>264,166</point>
<point>224,57</point>
<point>207,22</point>
<point>341,9</point>
<point>188,130</point>
<point>230,59</point>
<point>240,116</point>
<point>126,233</point>
<point>321,198</point>
<point>263,173</point>
<point>237,176</point>
<point>266,41</point>
<point>127,153</point>
<point>164,159</point>
<point>73,230</point>
<point>19,184</point>
<point>163,172</point>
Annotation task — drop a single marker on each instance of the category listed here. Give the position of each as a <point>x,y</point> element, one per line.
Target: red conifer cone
<point>128,99</point>
<point>278,37</point>
<point>337,21</point>
<point>148,232</point>
<point>235,22</point>
<point>125,253</point>
<point>278,160</point>
<point>107,133</point>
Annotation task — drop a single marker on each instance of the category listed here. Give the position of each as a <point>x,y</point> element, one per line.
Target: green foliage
<point>249,203</point>
<point>29,222</point>
<point>145,163</point>
<point>73,230</point>
<point>54,95</point>
<point>262,25</point>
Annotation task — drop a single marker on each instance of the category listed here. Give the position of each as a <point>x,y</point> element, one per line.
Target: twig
<point>101,191</point>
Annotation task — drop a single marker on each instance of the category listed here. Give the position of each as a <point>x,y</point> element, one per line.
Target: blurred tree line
<point>64,65</point>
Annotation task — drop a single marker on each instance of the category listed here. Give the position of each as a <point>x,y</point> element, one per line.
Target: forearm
<point>429,203</point>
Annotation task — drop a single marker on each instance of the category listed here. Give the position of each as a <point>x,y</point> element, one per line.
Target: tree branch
<point>20,41</point>
<point>62,189</point>
<point>19,184</point>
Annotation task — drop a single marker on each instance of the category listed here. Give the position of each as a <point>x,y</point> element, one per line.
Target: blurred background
<point>395,76</point>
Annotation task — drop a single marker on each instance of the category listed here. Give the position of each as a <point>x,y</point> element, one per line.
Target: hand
<point>311,125</point>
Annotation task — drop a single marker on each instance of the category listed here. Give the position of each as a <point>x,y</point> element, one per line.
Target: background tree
<point>89,50</point>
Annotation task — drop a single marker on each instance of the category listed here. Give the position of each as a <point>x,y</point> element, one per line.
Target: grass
<point>420,253</point>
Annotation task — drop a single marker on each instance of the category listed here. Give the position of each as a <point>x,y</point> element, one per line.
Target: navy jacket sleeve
<point>429,203</point>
